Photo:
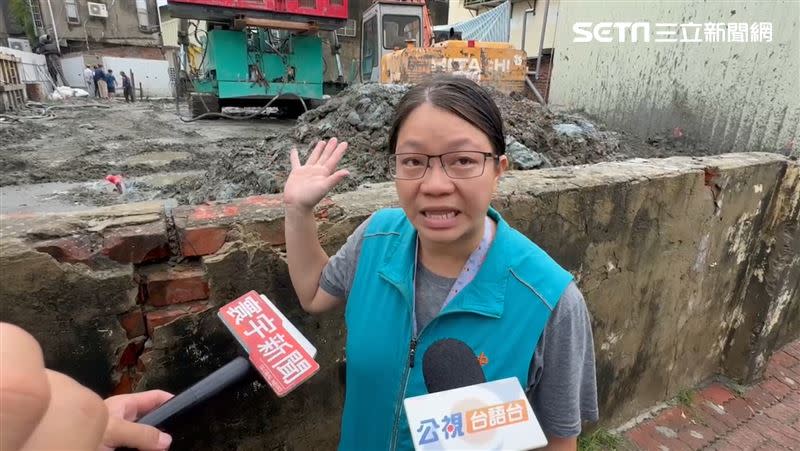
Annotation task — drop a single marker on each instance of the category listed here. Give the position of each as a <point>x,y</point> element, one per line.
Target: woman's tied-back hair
<point>460,96</point>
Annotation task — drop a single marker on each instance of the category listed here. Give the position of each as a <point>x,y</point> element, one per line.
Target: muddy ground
<point>60,162</point>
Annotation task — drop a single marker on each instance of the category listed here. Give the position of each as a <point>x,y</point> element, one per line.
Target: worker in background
<point>111,81</point>
<point>127,89</point>
<point>43,409</point>
<point>100,82</point>
<point>49,49</point>
<point>88,78</point>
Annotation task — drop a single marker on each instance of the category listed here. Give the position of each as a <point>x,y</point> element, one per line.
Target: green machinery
<point>258,58</point>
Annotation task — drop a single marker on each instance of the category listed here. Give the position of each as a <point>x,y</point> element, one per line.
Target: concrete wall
<point>689,266</point>
<point>732,96</point>
<point>120,27</point>
<point>533,29</point>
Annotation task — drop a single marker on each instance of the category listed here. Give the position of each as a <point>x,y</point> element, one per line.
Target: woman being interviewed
<point>444,265</point>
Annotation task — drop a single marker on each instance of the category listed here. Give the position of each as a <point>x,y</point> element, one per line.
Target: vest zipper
<point>412,348</point>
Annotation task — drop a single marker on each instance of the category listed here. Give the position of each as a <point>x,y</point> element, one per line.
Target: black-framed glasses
<point>457,165</point>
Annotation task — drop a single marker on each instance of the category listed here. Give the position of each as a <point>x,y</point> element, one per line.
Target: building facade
<point>81,25</point>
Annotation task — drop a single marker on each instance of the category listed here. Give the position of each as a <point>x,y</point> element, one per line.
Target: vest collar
<point>484,295</point>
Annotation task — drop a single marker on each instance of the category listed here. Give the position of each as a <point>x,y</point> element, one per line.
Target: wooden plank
<point>10,87</point>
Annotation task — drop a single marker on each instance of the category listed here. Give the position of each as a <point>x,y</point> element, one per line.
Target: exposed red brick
<point>202,240</point>
<point>716,393</point>
<point>130,355</point>
<point>174,285</point>
<point>641,437</point>
<point>718,412</point>
<point>674,418</point>
<point>775,387</point>
<point>124,386</point>
<point>740,409</point>
<point>668,437</point>
<point>164,316</point>
<point>73,249</point>
<point>133,323</point>
<point>783,359</point>
<point>711,420</point>
<point>777,431</point>
<point>137,244</point>
<point>268,200</point>
<point>793,349</point>
<point>746,437</point>
<point>696,435</point>
<point>782,412</point>
<point>759,398</point>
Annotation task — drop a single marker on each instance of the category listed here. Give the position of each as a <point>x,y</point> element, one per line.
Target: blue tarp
<point>491,26</point>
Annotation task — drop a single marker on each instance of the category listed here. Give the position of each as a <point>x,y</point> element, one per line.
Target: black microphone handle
<point>199,392</point>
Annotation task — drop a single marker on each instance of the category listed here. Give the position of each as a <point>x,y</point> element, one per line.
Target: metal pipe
<point>335,50</point>
<point>541,41</point>
<point>524,28</point>
<point>536,93</point>
<point>55,29</point>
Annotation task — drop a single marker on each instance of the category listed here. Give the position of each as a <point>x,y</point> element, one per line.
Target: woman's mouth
<point>440,218</point>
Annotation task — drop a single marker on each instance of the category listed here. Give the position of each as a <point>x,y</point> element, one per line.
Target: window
<point>348,30</point>
<point>397,29</point>
<point>142,13</point>
<point>370,55</point>
<point>72,11</point>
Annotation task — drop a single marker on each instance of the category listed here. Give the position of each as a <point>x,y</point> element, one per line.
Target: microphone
<point>464,412</point>
<point>275,348</point>
<point>199,392</point>
<point>449,364</point>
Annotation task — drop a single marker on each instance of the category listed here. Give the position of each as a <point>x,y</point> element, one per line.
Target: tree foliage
<point>21,13</point>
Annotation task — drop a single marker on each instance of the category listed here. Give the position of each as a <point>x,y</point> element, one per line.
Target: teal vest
<point>500,314</point>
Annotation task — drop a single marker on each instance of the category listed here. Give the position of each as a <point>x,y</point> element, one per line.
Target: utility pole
<point>55,29</point>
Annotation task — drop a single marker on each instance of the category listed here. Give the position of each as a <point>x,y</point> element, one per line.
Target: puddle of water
<point>37,198</point>
<point>157,158</point>
<point>53,197</point>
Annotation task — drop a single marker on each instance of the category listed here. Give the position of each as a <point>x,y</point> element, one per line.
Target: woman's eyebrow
<point>414,144</point>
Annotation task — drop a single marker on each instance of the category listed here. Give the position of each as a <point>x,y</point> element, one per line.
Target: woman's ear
<point>500,168</point>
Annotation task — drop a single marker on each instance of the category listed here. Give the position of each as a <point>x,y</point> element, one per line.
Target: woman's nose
<point>436,179</point>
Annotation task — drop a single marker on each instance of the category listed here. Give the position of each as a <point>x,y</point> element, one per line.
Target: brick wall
<point>542,83</point>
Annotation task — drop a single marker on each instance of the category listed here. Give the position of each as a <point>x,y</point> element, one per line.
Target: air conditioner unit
<point>97,10</point>
<point>19,44</point>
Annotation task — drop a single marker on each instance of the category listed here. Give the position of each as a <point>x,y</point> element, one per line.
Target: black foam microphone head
<point>449,364</point>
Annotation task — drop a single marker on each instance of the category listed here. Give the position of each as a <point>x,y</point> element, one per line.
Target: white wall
<point>457,13</point>
<point>734,96</point>
<point>152,74</point>
<point>73,67</point>
<point>533,29</point>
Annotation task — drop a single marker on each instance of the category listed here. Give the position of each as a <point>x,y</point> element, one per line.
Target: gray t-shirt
<point>563,396</point>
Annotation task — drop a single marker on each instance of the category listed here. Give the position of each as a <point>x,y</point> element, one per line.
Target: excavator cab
<point>387,26</point>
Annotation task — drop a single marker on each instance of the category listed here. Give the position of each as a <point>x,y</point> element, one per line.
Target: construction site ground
<point>58,161</point>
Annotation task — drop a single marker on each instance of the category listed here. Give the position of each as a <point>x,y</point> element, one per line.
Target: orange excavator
<point>397,46</point>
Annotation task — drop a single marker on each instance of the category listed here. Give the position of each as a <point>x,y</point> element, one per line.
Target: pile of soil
<point>362,115</point>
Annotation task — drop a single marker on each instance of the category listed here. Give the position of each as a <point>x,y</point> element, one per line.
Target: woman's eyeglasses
<point>457,165</point>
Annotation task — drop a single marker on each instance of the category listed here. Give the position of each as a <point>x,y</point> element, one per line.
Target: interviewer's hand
<point>121,430</point>
<point>42,409</point>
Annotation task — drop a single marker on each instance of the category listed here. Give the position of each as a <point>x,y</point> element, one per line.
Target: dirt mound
<point>362,115</point>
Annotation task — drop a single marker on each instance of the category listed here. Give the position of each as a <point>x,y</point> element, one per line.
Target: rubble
<point>58,154</point>
<point>362,115</point>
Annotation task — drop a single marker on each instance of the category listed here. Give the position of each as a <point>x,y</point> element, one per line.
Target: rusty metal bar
<point>275,24</point>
